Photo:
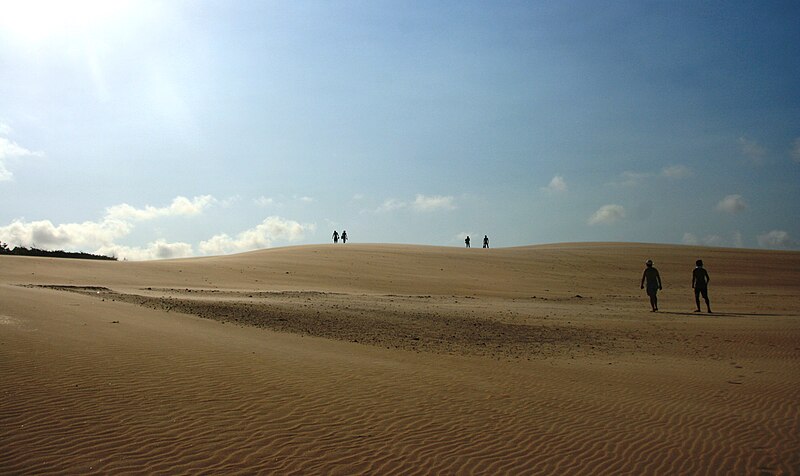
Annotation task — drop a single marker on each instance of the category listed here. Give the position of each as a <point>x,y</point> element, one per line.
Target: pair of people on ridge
<point>485,241</point>
<point>700,280</point>
<point>336,236</point>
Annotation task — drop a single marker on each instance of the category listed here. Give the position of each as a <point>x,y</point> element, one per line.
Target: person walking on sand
<point>700,282</point>
<point>466,241</point>
<point>653,283</point>
<point>335,236</point>
<point>485,241</point>
<point>344,236</point>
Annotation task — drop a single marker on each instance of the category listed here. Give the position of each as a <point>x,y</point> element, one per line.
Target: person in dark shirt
<point>653,283</point>
<point>466,241</point>
<point>344,236</point>
<point>335,236</point>
<point>485,241</point>
<point>700,280</point>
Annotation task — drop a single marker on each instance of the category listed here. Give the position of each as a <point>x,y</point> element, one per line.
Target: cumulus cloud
<point>630,179</point>
<point>633,179</point>
<point>676,172</point>
<point>391,204</point>
<point>11,150</point>
<point>264,201</point>
<point>158,249</point>
<point>101,236</point>
<point>607,214</point>
<point>119,220</point>
<point>557,184</point>
<point>732,204</point>
<point>752,150</point>
<point>71,236</point>
<point>271,229</point>
<point>776,239</point>
<point>713,240</point>
<point>179,206</point>
<point>795,152</point>
<point>424,203</point>
<point>421,203</point>
<point>690,239</point>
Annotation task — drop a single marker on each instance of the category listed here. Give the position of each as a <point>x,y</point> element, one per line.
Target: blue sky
<point>170,129</point>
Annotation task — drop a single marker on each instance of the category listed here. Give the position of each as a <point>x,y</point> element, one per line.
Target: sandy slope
<point>401,359</point>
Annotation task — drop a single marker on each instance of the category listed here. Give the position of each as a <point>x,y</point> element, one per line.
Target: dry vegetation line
<point>432,324</point>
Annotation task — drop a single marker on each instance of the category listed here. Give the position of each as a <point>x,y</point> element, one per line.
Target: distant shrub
<point>22,251</point>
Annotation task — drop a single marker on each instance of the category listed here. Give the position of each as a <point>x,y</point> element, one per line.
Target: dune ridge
<point>99,383</point>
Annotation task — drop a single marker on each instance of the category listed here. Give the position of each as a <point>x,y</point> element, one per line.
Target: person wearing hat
<point>653,283</point>
<point>700,281</point>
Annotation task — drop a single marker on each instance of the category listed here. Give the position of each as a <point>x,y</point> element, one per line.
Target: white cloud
<point>676,172</point>
<point>732,204</point>
<point>556,185</point>
<point>5,129</point>
<point>230,201</point>
<point>101,236</point>
<point>752,150</point>
<point>421,203</point>
<point>631,179</point>
<point>777,239</point>
<point>5,174</point>
<point>159,249</point>
<point>264,201</point>
<point>271,229</point>
<point>424,203</point>
<point>180,206</point>
<point>607,214</point>
<point>306,199</point>
<point>634,179</point>
<point>795,152</point>
<point>390,205</point>
<point>738,242</point>
<point>690,239</point>
<point>713,240</point>
<point>11,150</point>
<point>70,236</point>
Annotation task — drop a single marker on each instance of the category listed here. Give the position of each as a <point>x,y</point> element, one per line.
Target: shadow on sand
<point>723,314</point>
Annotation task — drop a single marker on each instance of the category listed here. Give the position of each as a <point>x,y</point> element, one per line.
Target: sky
<point>151,130</point>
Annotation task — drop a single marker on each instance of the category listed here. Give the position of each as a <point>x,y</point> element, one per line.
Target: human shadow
<point>724,314</point>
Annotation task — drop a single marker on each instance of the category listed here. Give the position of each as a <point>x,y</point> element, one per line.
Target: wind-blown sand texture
<point>393,359</point>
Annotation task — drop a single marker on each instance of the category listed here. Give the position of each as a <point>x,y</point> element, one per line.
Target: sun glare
<point>39,20</point>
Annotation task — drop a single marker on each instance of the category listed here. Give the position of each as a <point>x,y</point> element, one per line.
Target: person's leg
<point>705,298</point>
<point>697,299</point>
<point>653,300</point>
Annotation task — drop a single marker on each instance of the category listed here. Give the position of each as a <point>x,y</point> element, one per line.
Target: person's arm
<point>708,278</point>
<point>641,286</point>
<point>694,279</point>
<point>658,276</point>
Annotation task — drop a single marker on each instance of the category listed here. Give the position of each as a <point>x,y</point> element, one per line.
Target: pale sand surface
<point>391,359</point>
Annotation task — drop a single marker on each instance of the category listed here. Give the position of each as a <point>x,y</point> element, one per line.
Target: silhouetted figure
<point>466,241</point>
<point>653,283</point>
<point>485,241</point>
<point>335,236</point>
<point>700,282</point>
<point>344,236</point>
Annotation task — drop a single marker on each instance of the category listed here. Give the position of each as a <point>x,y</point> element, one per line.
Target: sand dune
<point>394,359</point>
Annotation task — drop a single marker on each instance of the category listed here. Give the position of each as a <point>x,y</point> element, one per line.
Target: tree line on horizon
<point>23,251</point>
